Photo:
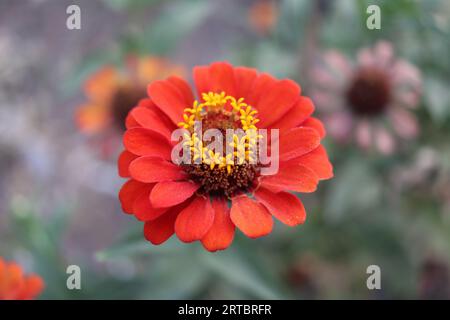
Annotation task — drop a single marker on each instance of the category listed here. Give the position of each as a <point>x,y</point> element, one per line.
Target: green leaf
<point>176,277</point>
<point>137,247</point>
<point>267,53</point>
<point>174,23</point>
<point>233,267</point>
<point>437,99</point>
<point>355,188</point>
<point>129,4</point>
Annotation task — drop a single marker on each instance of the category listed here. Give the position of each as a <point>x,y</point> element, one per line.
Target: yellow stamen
<point>243,147</point>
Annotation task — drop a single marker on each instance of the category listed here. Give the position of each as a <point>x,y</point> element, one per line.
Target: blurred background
<point>387,205</point>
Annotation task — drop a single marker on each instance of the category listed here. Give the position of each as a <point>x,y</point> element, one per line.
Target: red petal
<point>315,124</point>
<point>125,159</point>
<point>296,142</point>
<point>296,115</point>
<point>147,118</point>
<point>260,85</point>
<point>184,88</point>
<point>295,178</point>
<point>251,217</point>
<point>221,78</point>
<point>316,160</point>
<point>142,207</point>
<point>276,101</point>
<point>146,103</point>
<point>168,98</point>
<point>149,104</point>
<point>159,230</point>
<point>195,220</point>
<point>170,193</point>
<point>284,206</point>
<point>128,193</point>
<point>245,77</point>
<point>221,234</point>
<point>146,142</point>
<point>201,79</point>
<point>152,169</point>
<point>130,122</point>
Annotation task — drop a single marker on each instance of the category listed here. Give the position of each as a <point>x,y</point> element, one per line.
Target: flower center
<point>125,99</point>
<point>370,92</point>
<point>233,170</point>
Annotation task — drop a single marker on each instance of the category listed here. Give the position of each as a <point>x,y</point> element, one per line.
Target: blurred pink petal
<point>406,98</point>
<point>384,54</point>
<point>339,125</point>
<point>324,79</point>
<point>405,74</point>
<point>363,133</point>
<point>366,58</point>
<point>338,63</point>
<point>384,140</point>
<point>326,101</point>
<point>404,123</point>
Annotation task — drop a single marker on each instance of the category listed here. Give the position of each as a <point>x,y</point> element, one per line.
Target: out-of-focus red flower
<point>371,100</point>
<point>263,16</point>
<point>207,201</point>
<point>15,285</point>
<point>112,92</point>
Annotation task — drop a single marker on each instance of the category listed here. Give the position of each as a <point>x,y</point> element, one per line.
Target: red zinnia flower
<point>14,285</point>
<point>206,201</point>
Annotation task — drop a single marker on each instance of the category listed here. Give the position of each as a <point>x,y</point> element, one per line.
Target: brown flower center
<point>370,92</point>
<point>219,182</point>
<point>123,101</point>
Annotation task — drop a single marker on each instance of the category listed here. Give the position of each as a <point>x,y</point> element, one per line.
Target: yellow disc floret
<point>225,112</point>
